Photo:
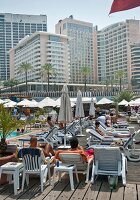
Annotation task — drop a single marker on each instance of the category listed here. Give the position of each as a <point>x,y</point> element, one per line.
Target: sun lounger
<point>109,161</point>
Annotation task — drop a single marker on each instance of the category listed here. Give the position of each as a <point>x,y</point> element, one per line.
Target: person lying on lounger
<point>115,134</point>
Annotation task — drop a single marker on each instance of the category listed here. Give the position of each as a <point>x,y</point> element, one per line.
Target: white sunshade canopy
<point>58,102</point>
<point>10,104</point>
<point>103,101</point>
<point>84,99</point>
<point>46,103</point>
<point>92,108</point>
<point>24,102</point>
<point>1,101</point>
<point>79,110</point>
<point>33,104</point>
<point>65,112</point>
<point>123,103</point>
<point>135,102</point>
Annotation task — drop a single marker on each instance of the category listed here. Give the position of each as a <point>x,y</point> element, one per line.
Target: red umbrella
<point>120,5</point>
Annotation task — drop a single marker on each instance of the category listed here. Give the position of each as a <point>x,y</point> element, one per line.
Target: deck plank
<point>93,191</point>
<point>104,193</point>
<point>118,193</point>
<point>57,190</point>
<point>130,192</point>
<point>67,192</point>
<point>26,193</point>
<point>138,191</point>
<point>7,191</point>
<point>80,191</point>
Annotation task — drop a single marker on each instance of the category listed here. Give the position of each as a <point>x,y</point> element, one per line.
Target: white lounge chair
<point>109,161</point>
<point>97,138</point>
<point>76,159</point>
<point>32,163</point>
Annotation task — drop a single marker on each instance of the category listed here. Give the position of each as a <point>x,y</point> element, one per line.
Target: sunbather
<point>47,151</point>
<point>75,148</point>
<point>115,134</point>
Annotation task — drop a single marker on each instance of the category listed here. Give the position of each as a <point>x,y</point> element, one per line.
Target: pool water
<point>13,134</point>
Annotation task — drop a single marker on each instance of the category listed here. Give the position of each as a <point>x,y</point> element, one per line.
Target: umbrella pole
<point>80,127</point>
<point>65,136</point>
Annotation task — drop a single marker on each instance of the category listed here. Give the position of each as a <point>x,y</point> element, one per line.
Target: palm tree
<point>120,74</point>
<point>49,70</point>
<point>10,83</point>
<point>85,72</point>
<point>7,125</point>
<point>24,68</point>
<point>127,95</point>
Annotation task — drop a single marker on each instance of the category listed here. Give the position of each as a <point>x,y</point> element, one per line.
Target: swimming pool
<point>15,134</point>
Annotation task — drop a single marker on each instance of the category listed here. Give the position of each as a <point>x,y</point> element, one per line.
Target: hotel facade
<point>115,46</point>
<point>14,27</point>
<point>80,35</point>
<point>39,49</point>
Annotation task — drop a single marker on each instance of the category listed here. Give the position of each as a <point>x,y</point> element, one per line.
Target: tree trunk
<point>26,81</point>
<point>120,84</point>
<point>85,84</point>
<point>3,145</point>
<point>48,81</point>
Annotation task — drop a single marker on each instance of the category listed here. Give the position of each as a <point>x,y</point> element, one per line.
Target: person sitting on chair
<point>47,151</point>
<point>75,148</point>
<point>49,122</point>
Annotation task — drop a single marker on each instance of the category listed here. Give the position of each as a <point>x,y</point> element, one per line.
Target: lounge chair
<point>76,159</point>
<point>132,154</point>
<point>109,161</point>
<point>48,138</point>
<point>97,138</point>
<point>32,162</point>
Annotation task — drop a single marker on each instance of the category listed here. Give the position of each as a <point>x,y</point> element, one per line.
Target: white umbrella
<point>58,102</point>
<point>47,102</point>
<point>10,104</point>
<point>84,99</point>
<point>6,100</point>
<point>123,103</point>
<point>104,101</point>
<point>32,104</point>
<point>1,101</point>
<point>135,102</point>
<point>79,110</point>
<point>24,102</point>
<point>65,112</point>
<point>92,108</point>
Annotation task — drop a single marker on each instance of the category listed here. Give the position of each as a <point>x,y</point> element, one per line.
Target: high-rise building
<point>81,47</point>
<point>135,65</point>
<point>113,49</point>
<point>14,27</point>
<point>37,50</point>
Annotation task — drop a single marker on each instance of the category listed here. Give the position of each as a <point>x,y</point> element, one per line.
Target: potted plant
<point>7,124</point>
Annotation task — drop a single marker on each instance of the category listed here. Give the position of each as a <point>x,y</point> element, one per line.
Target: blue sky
<point>95,11</point>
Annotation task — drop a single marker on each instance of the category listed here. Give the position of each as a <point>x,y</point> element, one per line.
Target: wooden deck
<point>61,191</point>
<point>99,191</point>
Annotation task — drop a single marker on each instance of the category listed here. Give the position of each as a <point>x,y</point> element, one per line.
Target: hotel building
<point>38,49</point>
<point>113,49</point>
<point>135,65</point>
<point>80,35</point>
<point>14,27</point>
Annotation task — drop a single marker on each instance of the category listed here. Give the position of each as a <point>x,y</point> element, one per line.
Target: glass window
<point>54,38</point>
